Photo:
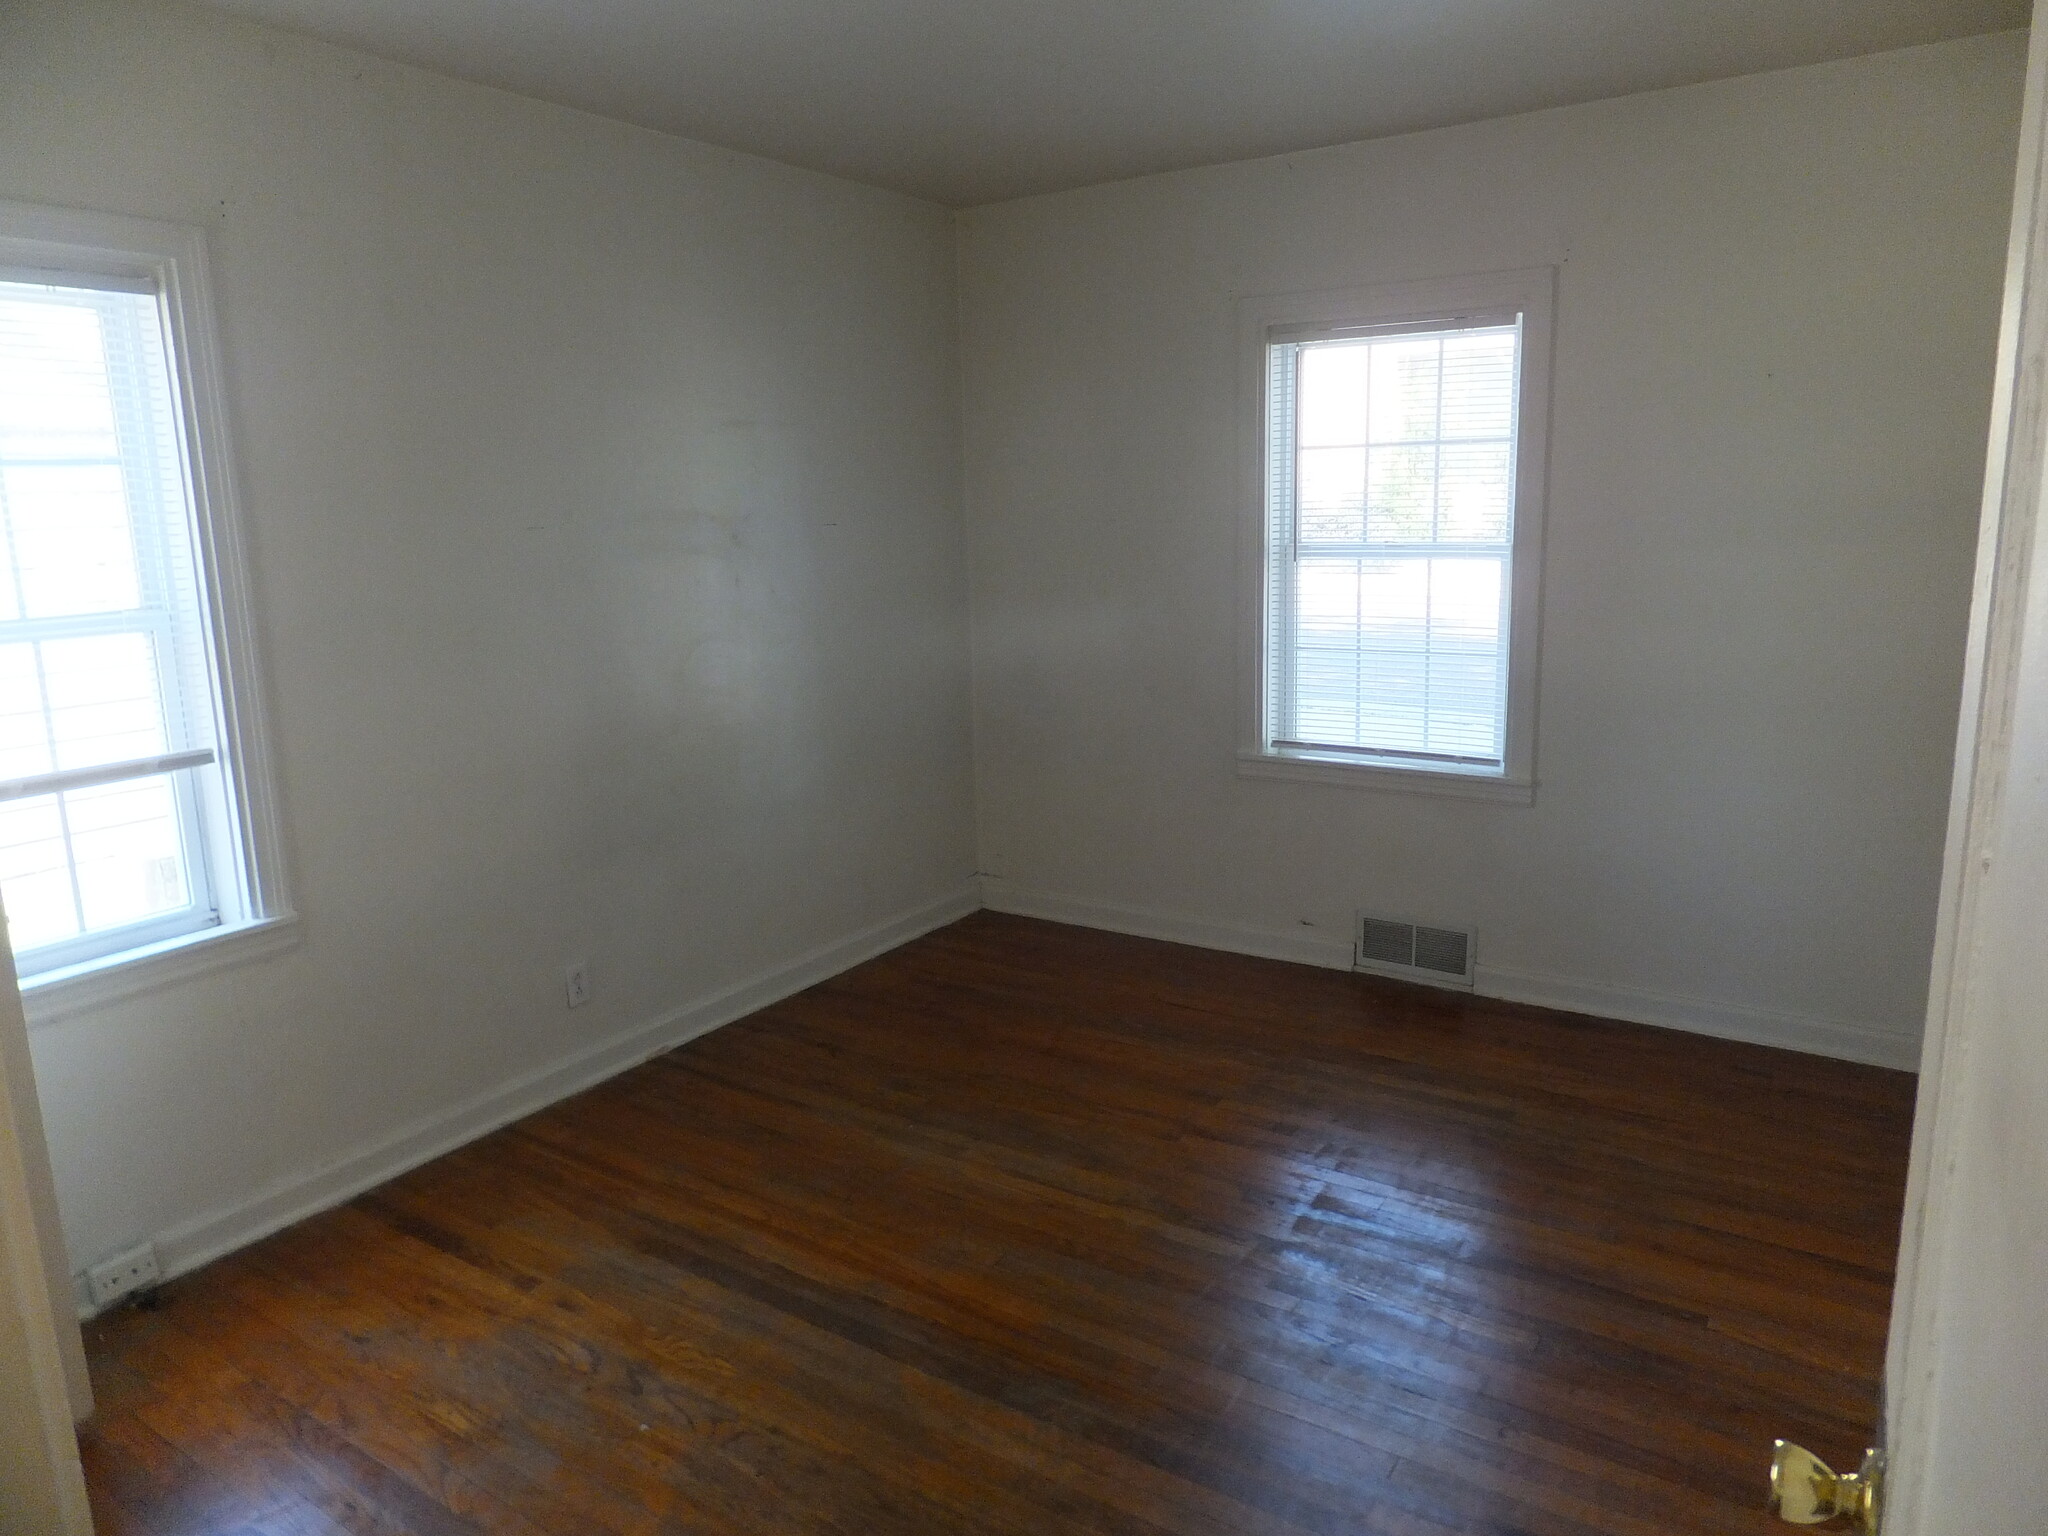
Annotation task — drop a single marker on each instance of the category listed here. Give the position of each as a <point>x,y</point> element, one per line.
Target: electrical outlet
<point>123,1275</point>
<point>577,980</point>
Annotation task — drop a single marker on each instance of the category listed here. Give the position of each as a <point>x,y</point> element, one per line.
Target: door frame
<point>2016,460</point>
<point>43,1385</point>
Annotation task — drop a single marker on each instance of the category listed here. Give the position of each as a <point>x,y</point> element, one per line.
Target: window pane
<point>1392,660</point>
<point>1404,388</point>
<point>1332,493</point>
<point>1479,384</point>
<point>24,734</point>
<point>1401,495</point>
<point>1465,657</point>
<point>103,698</point>
<point>73,551</point>
<point>1402,655</point>
<point>35,878</point>
<point>54,399</point>
<point>1474,482</point>
<point>130,856</point>
<point>1332,407</point>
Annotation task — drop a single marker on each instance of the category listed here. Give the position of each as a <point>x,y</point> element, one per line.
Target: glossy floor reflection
<point>1026,1228</point>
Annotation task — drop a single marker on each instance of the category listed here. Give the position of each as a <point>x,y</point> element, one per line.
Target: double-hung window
<point>1397,486</point>
<point>132,813</point>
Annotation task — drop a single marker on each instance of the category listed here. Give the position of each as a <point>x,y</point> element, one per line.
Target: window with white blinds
<point>122,819</point>
<point>1394,498</point>
<point>1391,478</point>
<point>104,717</point>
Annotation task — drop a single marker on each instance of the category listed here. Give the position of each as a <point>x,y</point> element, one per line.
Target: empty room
<point>925,766</point>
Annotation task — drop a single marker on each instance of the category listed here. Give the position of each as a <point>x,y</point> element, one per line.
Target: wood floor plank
<point>1031,1229</point>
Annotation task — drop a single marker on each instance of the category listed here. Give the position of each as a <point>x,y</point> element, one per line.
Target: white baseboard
<point>1304,948</point>
<point>1727,1021</point>
<point>199,1241</point>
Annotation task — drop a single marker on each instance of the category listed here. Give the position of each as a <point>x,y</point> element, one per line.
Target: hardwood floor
<point>1025,1228</point>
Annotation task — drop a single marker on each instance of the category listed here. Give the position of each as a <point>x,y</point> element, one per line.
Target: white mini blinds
<point>110,751</point>
<point>1391,514</point>
<point>1393,494</point>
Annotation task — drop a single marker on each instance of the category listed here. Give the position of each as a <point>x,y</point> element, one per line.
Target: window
<point>1398,490</point>
<point>132,807</point>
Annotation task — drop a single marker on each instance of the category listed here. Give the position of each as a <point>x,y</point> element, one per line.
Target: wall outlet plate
<point>576,982</point>
<point>123,1275</point>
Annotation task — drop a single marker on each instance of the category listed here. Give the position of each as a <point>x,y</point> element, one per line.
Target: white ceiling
<point>970,101</point>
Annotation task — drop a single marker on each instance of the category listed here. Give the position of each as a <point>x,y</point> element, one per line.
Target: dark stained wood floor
<point>1025,1228</point>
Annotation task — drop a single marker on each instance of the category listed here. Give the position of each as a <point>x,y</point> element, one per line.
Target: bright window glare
<point>55,400</point>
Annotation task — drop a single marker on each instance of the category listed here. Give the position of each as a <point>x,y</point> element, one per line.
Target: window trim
<point>171,260</point>
<point>1262,319</point>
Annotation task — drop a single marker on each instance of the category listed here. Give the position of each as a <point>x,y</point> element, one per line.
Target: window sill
<point>1414,781</point>
<point>76,989</point>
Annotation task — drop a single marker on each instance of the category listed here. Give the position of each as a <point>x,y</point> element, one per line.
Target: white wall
<point>1778,300</point>
<point>604,505</point>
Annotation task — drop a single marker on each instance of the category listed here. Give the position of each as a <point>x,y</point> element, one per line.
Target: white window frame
<point>1262,320</point>
<point>247,871</point>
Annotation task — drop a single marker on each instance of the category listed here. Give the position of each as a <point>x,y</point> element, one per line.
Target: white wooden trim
<point>71,990</point>
<point>2016,459</point>
<point>190,1244</point>
<point>1531,292</point>
<point>1842,1039</point>
<point>1307,768</point>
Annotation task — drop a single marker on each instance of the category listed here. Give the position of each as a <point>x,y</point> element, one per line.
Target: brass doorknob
<point>1805,1491</point>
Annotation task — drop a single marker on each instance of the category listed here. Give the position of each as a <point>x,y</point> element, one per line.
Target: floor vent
<point>1442,956</point>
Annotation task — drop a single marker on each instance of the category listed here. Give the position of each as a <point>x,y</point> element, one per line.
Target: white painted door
<point>42,1491</point>
<point>1968,1367</point>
